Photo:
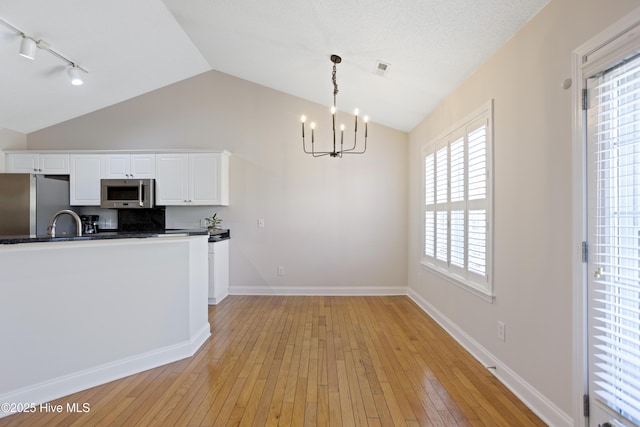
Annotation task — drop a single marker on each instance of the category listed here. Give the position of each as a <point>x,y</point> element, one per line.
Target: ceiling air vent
<point>382,68</point>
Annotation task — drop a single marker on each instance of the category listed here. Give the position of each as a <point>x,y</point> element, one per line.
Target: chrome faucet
<point>51,230</point>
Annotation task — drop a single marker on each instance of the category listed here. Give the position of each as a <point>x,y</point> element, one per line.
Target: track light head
<point>74,76</point>
<point>28,47</point>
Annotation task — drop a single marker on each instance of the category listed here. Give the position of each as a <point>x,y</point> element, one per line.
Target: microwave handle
<point>140,193</point>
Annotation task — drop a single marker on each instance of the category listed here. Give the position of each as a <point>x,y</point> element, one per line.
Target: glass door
<point>613,220</point>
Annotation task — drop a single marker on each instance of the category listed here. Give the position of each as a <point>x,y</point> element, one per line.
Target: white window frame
<point>478,284</point>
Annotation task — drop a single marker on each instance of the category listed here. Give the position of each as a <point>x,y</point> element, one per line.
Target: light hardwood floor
<point>307,361</point>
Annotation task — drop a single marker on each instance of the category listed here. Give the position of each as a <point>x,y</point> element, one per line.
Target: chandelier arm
<point>304,147</point>
<point>355,142</point>
<point>351,150</point>
<point>313,152</point>
<point>304,144</point>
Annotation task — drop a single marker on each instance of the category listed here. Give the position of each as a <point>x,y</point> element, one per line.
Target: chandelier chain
<point>335,83</point>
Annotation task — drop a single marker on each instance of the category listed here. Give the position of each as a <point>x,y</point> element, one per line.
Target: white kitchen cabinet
<point>218,271</point>
<point>41,163</point>
<point>172,179</point>
<point>192,179</point>
<point>86,171</point>
<point>125,166</point>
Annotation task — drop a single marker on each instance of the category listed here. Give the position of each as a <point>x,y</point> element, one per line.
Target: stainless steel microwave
<point>127,193</point>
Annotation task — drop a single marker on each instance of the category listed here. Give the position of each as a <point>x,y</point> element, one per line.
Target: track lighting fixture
<point>28,46</point>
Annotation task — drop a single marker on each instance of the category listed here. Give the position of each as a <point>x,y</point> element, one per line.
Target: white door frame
<point>579,214</point>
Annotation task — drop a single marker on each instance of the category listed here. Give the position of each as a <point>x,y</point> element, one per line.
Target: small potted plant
<point>213,222</point>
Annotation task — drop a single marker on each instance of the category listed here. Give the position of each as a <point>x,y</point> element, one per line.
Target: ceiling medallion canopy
<point>338,147</point>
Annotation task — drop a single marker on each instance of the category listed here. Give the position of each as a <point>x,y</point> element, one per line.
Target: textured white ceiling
<point>132,47</point>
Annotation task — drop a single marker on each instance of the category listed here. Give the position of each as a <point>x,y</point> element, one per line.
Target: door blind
<point>615,101</point>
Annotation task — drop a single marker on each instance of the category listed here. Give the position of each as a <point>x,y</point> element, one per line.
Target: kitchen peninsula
<point>82,311</point>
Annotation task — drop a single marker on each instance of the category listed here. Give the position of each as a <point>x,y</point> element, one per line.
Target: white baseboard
<point>82,380</point>
<point>319,290</point>
<point>215,301</point>
<point>538,403</point>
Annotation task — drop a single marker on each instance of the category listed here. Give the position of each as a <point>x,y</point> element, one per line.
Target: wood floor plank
<point>310,415</point>
<point>307,361</point>
<point>322,407</point>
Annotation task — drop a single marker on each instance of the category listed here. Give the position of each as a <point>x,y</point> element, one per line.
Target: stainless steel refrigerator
<point>29,201</point>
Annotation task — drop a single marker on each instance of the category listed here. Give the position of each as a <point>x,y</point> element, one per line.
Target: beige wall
<point>10,140</point>
<point>329,222</point>
<point>532,202</point>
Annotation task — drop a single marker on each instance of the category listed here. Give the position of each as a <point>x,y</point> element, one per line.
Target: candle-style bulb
<point>366,119</point>
<point>356,112</point>
<point>333,109</point>
<point>313,125</point>
<point>342,127</point>
<point>355,126</point>
<point>303,119</point>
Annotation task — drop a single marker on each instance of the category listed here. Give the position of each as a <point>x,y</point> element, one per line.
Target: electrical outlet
<point>280,271</point>
<point>260,223</point>
<point>501,331</point>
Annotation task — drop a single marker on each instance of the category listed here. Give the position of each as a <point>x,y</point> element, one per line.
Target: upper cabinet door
<point>143,165</point>
<point>172,179</point>
<point>118,165</point>
<point>22,163</point>
<point>131,166</point>
<point>54,164</point>
<point>204,179</point>
<point>84,182</point>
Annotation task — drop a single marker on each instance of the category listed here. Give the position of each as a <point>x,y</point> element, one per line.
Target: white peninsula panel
<point>81,313</point>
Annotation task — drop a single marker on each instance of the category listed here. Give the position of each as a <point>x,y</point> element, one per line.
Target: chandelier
<point>336,152</point>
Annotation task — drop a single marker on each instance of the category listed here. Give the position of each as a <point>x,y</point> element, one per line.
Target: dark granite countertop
<point>219,235</point>
<point>106,235</point>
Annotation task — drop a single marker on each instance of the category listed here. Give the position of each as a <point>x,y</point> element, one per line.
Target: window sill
<point>460,282</point>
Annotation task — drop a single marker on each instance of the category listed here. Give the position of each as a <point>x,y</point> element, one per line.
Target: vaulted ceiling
<point>133,47</point>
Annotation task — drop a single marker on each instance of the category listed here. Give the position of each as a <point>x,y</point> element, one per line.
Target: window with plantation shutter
<point>457,200</point>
